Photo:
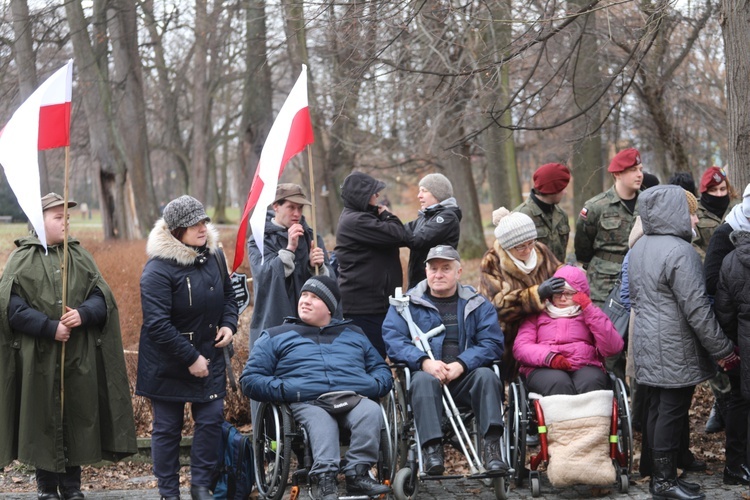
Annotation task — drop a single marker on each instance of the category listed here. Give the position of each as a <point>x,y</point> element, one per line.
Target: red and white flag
<point>42,122</point>
<point>290,133</point>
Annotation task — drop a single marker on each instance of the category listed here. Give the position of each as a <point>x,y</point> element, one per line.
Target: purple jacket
<point>585,340</point>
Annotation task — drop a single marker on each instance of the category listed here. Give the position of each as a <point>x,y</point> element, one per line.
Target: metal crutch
<point>421,340</point>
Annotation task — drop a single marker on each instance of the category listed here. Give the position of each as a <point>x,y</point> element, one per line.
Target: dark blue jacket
<point>480,337</point>
<point>297,362</point>
<point>178,296</point>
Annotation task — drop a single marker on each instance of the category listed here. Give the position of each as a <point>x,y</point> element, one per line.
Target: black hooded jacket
<point>367,248</point>
<point>732,301</point>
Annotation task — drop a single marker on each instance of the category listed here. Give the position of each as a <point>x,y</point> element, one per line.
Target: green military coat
<point>707,224</point>
<point>601,240</point>
<point>552,229</point>
<point>98,417</point>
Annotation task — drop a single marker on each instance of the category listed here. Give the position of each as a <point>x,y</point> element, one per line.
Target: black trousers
<point>372,325</point>
<point>667,413</point>
<point>737,422</point>
<point>548,381</point>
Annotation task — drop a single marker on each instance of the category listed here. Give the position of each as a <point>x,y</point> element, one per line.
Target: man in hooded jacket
<point>367,247</point>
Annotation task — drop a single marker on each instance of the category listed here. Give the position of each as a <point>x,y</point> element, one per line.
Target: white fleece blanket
<point>578,438</point>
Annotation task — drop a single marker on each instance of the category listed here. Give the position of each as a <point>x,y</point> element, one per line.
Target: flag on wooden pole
<point>290,133</point>
<point>42,122</point>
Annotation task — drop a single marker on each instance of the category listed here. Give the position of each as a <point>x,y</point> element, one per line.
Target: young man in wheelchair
<point>305,360</point>
<point>463,353</point>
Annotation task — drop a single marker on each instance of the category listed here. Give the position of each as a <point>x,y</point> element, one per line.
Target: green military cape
<point>98,422</point>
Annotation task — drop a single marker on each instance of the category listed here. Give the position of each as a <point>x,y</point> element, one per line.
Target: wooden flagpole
<point>64,271</point>
<point>312,200</point>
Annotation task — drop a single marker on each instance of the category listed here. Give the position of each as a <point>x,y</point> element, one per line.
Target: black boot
<point>359,482</point>
<point>200,493</point>
<point>715,422</point>
<point>493,459</point>
<point>664,484</point>
<point>70,484</point>
<point>737,475</point>
<point>434,463</point>
<point>326,487</point>
<point>46,485</point>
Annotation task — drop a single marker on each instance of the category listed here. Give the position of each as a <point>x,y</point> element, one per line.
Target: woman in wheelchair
<point>561,350</point>
<point>327,371</point>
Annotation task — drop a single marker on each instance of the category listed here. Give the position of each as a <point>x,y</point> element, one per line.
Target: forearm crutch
<point>421,340</point>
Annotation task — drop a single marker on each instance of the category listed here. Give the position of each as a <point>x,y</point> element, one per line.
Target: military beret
<point>624,159</point>
<point>551,178</point>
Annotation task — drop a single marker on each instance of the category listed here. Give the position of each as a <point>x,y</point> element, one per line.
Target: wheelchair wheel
<point>272,436</point>
<point>394,414</point>
<point>387,453</point>
<point>405,484</point>
<point>401,427</point>
<point>501,486</point>
<point>624,425</point>
<point>515,431</point>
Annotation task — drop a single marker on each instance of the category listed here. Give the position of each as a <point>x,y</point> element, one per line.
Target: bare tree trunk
<point>502,171</point>
<point>97,102</point>
<point>172,140</point>
<point>25,58</point>
<point>198,181</point>
<point>586,161</point>
<point>131,113</point>
<point>735,19</point>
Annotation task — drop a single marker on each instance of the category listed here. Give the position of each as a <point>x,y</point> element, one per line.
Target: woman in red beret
<point>715,197</point>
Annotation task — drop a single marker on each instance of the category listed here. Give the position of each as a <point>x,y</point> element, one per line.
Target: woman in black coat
<point>732,304</point>
<point>189,316</point>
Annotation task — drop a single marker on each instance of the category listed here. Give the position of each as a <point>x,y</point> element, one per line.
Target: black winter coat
<point>718,247</point>
<point>436,225</point>
<point>367,248</point>
<point>184,303</point>
<point>732,301</point>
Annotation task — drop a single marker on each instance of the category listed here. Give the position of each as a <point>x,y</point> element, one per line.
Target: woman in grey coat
<point>676,335</point>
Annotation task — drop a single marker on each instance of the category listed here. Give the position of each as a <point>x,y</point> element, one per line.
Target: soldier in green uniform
<point>604,224</point>
<point>551,221</point>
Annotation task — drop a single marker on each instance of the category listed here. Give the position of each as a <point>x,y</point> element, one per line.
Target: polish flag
<point>42,122</point>
<point>289,135</point>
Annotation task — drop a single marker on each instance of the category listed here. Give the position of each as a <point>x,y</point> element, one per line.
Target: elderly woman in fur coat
<point>517,276</point>
<point>189,315</point>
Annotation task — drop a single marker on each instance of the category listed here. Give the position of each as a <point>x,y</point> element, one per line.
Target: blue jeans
<point>165,443</point>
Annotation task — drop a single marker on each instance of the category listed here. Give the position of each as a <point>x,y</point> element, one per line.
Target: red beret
<point>551,178</point>
<point>624,159</point>
<point>712,177</point>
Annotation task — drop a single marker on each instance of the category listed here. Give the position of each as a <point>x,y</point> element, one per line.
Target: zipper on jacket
<point>190,292</point>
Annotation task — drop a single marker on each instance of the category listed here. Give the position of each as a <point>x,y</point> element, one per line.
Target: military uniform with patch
<point>553,229</point>
<point>601,241</point>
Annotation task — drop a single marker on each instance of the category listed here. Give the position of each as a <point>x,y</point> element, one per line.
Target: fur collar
<point>162,245</point>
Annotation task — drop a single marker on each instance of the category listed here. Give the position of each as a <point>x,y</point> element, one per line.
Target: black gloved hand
<point>549,287</point>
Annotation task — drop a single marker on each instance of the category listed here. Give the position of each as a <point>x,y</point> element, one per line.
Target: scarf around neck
<point>525,267</point>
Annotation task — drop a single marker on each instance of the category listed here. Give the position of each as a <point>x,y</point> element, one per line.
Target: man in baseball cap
<point>542,205</point>
<point>463,354</point>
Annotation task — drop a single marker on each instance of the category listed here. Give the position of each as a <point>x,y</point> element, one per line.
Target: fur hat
<point>437,184</point>
<point>712,177</point>
<point>326,289</point>
<point>624,159</point>
<point>551,178</point>
<point>692,202</point>
<point>184,211</point>
<point>513,228</point>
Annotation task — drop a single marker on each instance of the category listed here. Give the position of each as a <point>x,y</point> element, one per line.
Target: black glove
<point>549,287</point>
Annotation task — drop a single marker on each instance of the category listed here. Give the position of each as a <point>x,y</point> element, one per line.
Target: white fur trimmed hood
<point>161,244</point>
